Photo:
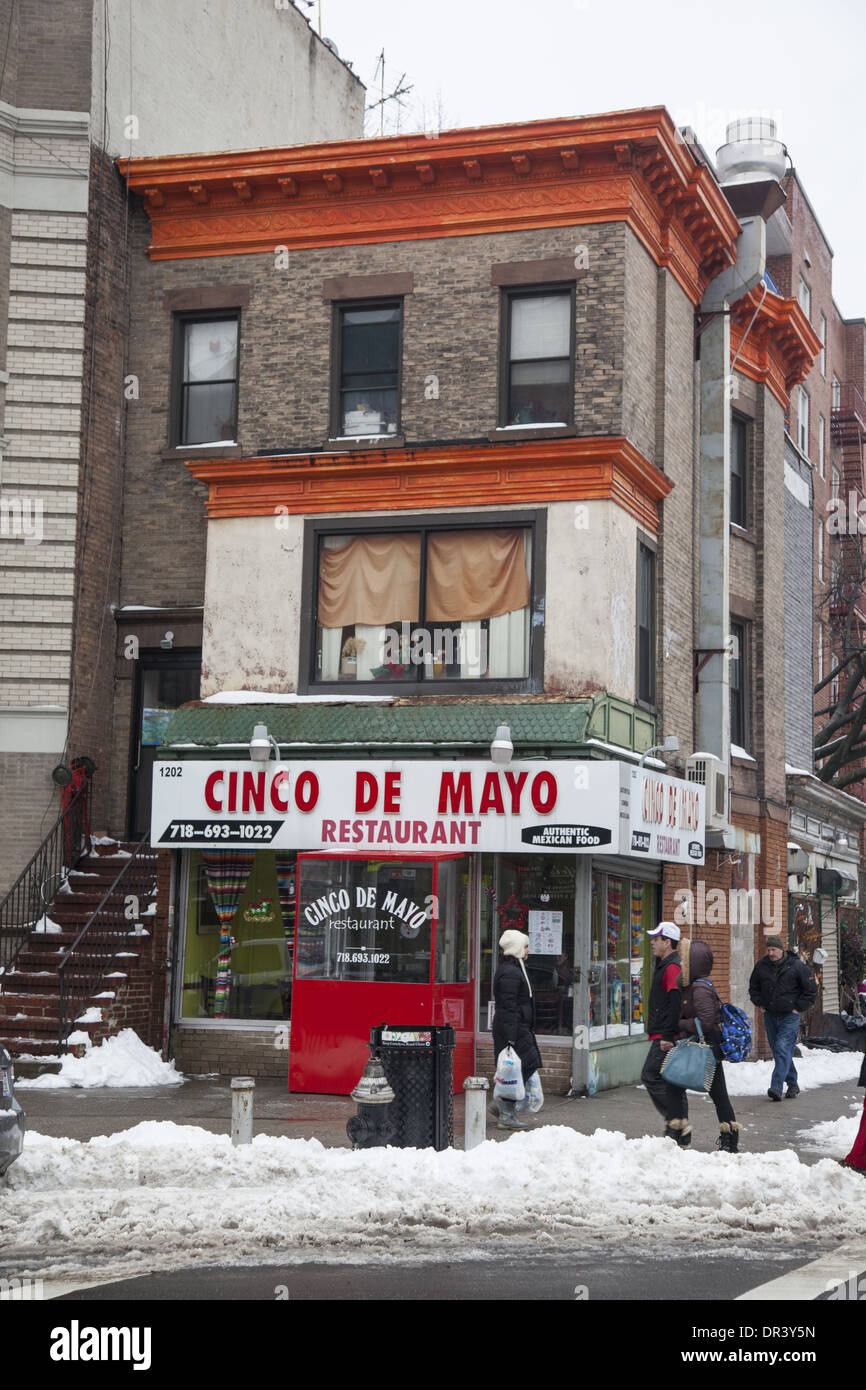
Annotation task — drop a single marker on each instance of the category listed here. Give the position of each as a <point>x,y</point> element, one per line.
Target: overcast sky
<point>488,61</point>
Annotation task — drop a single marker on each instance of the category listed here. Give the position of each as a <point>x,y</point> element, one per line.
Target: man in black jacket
<point>663,1027</point>
<point>784,987</point>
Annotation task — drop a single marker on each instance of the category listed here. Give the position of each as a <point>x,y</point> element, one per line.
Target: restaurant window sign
<point>365,920</point>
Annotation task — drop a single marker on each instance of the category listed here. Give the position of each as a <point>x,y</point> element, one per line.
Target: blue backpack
<point>736,1043</point>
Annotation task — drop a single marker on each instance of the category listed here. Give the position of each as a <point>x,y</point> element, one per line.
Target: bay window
<point>429,603</point>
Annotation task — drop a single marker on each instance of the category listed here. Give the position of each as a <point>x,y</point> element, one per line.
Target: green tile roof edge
<point>592,726</point>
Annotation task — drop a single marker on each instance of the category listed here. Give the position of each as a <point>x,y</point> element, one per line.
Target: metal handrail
<point>95,944</point>
<point>63,847</point>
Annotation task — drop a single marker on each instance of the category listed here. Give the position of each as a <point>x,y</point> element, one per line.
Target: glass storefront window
<point>365,919</point>
<point>623,910</point>
<point>262,933</point>
<point>535,894</point>
<point>453,921</point>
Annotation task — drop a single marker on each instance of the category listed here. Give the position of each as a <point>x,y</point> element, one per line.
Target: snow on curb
<point>122,1060</point>
<point>161,1195</point>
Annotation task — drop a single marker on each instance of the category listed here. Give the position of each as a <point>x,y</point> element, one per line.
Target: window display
<point>239,935</point>
<point>623,910</point>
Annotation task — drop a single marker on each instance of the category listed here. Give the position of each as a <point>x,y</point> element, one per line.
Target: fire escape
<point>847,600</point>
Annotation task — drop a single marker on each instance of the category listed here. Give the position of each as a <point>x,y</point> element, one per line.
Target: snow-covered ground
<point>122,1060</point>
<point>835,1136</point>
<point>815,1068</point>
<point>162,1196</point>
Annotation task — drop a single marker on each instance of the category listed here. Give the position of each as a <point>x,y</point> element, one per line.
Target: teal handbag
<point>690,1065</point>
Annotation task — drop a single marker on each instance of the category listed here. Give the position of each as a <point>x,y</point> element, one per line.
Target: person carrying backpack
<point>700,1001</point>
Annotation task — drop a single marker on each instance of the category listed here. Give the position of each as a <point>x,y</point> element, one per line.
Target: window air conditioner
<point>712,774</point>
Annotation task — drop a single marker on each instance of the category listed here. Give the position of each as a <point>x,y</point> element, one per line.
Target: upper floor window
<point>739,684</point>
<point>367,375</point>
<point>206,394</point>
<point>430,603</point>
<point>802,421</point>
<point>646,624</point>
<point>538,370</point>
<point>822,334</point>
<point>821,428</point>
<point>837,393</point>
<point>805,297</point>
<point>739,470</point>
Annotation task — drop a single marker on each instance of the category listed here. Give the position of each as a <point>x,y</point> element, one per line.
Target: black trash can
<point>419,1065</point>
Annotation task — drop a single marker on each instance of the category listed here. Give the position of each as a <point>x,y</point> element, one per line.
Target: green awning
<point>540,726</point>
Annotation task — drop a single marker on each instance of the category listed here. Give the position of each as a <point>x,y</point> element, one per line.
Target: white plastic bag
<point>534,1098</point>
<point>509,1076</point>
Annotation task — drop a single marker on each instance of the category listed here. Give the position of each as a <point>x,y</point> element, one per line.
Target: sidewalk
<point>206,1101</point>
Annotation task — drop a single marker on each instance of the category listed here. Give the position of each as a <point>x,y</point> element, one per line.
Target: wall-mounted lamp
<point>670,745</point>
<point>262,743</point>
<point>167,642</point>
<point>502,749</point>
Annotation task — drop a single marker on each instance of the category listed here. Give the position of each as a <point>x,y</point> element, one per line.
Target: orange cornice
<point>629,166</point>
<point>454,475</point>
<point>781,345</point>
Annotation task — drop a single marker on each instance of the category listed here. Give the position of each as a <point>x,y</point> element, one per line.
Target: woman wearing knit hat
<point>514,1017</point>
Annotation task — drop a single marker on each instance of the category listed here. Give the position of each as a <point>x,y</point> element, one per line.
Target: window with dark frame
<point>206,400</point>
<point>367,377</point>
<point>739,684</point>
<point>739,470</point>
<point>538,357</point>
<point>646,625</point>
<point>426,603</point>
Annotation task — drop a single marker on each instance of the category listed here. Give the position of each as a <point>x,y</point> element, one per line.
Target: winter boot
<point>729,1138</point>
<point>508,1119</point>
<point>494,1108</point>
<point>681,1131</point>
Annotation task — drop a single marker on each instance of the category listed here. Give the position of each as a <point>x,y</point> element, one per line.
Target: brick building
<point>496,343</point>
<point>610,229</point>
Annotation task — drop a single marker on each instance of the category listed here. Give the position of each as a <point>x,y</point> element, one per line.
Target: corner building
<point>418,431</point>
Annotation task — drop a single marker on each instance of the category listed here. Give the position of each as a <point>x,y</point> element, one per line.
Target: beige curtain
<point>370,580</point>
<point>475,574</point>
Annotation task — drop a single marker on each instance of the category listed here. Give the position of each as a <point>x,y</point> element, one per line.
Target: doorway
<point>164,680</point>
<point>382,939</point>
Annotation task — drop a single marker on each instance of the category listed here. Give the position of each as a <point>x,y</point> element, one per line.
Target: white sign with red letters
<point>401,806</point>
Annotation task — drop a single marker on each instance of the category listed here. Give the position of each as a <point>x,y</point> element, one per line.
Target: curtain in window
<point>227,871</point>
<point>475,574</point>
<point>369,579</point>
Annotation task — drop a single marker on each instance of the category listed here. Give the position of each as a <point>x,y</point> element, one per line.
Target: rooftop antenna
<point>398,91</point>
<point>310,5</point>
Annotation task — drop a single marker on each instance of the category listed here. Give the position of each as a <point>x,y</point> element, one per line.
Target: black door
<point>164,682</point>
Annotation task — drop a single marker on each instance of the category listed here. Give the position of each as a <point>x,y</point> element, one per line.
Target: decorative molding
<point>628,166</point>
<point>781,347</point>
<point>399,282</point>
<point>460,475</point>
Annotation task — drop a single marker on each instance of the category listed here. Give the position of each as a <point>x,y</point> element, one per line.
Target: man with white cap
<point>663,1028</point>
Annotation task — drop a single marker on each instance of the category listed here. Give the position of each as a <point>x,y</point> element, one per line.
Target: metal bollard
<point>243,1089</point>
<point>475,1128</point>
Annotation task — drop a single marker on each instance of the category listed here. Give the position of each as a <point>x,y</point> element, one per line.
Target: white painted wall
<point>253,597</point>
<point>208,75</point>
<point>591,601</point>
<point>252,604</point>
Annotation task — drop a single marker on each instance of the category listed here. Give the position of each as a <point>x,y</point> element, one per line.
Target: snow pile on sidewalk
<point>123,1060</point>
<point>815,1068</point>
<point>162,1196</point>
<point>836,1136</point>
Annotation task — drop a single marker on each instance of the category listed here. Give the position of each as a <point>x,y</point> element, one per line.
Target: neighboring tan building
<point>82,84</point>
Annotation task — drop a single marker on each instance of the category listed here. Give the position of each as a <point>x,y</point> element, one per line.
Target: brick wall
<point>100,500</point>
<point>53,57</point>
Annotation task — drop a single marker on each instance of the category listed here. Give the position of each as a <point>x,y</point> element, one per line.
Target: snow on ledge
<point>738,752</point>
<point>264,697</point>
